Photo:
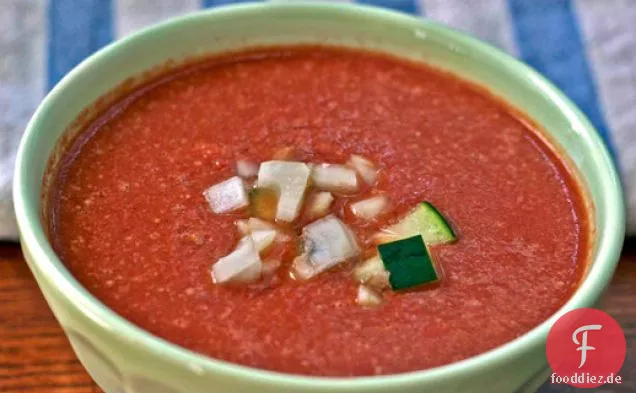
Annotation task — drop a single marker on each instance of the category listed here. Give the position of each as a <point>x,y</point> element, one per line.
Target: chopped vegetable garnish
<point>326,242</point>
<point>270,267</point>
<point>227,196</point>
<point>319,204</point>
<point>367,297</point>
<point>263,238</point>
<point>408,263</point>
<point>243,227</point>
<point>263,202</point>
<point>290,180</point>
<point>243,265</point>
<point>372,273</point>
<point>302,269</point>
<point>370,208</point>
<point>255,224</point>
<point>403,261</point>
<point>424,220</point>
<point>333,177</point>
<point>246,169</point>
<point>365,169</point>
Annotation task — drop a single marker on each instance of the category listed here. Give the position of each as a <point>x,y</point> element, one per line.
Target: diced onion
<point>255,224</point>
<point>263,238</point>
<point>327,242</point>
<point>302,269</point>
<point>290,179</point>
<point>370,208</point>
<point>372,273</point>
<point>246,169</point>
<point>319,204</point>
<point>243,265</point>
<point>243,227</point>
<point>333,177</point>
<point>270,267</point>
<point>227,196</point>
<point>365,169</point>
<point>367,297</point>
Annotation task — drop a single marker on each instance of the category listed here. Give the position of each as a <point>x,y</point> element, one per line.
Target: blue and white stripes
<point>132,15</point>
<point>586,47</point>
<point>486,19</point>
<point>548,38</point>
<point>23,73</point>
<point>408,6</point>
<point>77,28</point>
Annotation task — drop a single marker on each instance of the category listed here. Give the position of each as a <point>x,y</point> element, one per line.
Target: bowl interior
<point>243,26</point>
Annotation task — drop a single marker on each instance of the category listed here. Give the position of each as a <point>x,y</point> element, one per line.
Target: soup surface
<point>129,220</point>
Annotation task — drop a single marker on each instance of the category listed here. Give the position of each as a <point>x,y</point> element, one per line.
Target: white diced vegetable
<point>243,265</point>
<point>246,169</point>
<point>302,268</point>
<point>372,273</point>
<point>290,179</point>
<point>243,227</point>
<point>270,267</point>
<point>370,208</point>
<point>263,238</point>
<point>365,168</point>
<point>367,297</point>
<point>327,242</point>
<point>333,177</point>
<point>255,224</point>
<point>319,204</point>
<point>227,196</point>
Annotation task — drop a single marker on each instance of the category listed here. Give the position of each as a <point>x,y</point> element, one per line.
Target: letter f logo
<point>583,344</point>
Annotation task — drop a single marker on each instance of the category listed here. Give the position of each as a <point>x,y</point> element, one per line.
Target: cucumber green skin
<point>424,220</point>
<point>424,225</point>
<point>409,263</point>
<point>446,232</point>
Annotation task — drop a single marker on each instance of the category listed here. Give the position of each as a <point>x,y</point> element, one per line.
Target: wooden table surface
<point>35,357</point>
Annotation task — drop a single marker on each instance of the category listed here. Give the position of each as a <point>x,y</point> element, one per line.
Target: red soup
<point>320,211</point>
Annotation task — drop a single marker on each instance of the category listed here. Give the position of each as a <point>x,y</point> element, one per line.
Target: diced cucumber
<point>408,262</point>
<point>424,220</point>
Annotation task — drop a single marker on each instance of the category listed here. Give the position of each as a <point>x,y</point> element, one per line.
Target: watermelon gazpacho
<point>320,211</point>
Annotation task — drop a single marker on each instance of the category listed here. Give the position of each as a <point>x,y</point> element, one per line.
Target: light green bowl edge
<point>610,244</point>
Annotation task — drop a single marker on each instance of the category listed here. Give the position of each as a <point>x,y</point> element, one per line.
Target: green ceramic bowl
<point>124,358</point>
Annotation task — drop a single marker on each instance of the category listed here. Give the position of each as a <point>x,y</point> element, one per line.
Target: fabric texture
<point>586,47</point>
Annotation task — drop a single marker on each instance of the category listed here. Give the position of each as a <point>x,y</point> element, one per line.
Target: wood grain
<point>35,357</point>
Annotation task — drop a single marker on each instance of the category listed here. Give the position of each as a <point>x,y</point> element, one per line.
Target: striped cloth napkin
<point>586,47</point>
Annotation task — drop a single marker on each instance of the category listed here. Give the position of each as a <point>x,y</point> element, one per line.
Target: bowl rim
<point>53,270</point>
